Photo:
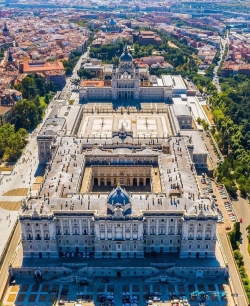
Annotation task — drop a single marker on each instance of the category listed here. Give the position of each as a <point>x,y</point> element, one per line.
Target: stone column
<point>167,226</point>
<point>88,227</point>
<point>113,231</point>
<point>131,231</point>
<point>123,231</point>
<point>70,227</point>
<point>33,231</point>
<point>195,231</point>
<point>41,229</point>
<point>140,230</point>
<point>204,231</point>
<point>175,227</point>
<point>80,225</point>
<point>61,223</point>
<point>157,227</point>
<point>97,231</point>
<point>52,230</point>
<point>24,230</point>
<point>184,229</point>
<point>106,231</point>
<point>213,231</point>
<point>148,226</point>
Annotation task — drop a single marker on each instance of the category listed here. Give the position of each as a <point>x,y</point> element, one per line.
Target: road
<point>242,210</point>
<point>4,274</point>
<point>240,300</point>
<point>224,42</point>
<point>74,95</point>
<point>211,150</point>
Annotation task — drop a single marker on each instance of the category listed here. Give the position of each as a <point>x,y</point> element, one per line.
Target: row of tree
<point>235,237</point>
<point>70,64</point>
<point>231,112</point>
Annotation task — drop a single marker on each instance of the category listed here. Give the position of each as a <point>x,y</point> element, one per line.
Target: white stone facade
<point>132,83</point>
<point>80,206</point>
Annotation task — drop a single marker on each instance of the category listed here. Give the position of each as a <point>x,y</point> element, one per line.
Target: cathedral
<point>129,82</point>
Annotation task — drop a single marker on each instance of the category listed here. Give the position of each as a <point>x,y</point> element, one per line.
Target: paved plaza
<point>29,293</point>
<point>142,125</point>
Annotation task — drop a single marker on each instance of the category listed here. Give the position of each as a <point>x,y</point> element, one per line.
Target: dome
<point>118,196</point>
<point>112,22</point>
<point>5,29</point>
<point>126,56</point>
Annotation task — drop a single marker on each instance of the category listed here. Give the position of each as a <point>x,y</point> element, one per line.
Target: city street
<point>224,42</point>
<point>237,287</point>
<point>243,211</point>
<point>5,266</point>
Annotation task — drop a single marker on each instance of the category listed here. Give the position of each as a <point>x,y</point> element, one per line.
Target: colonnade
<point>114,181</point>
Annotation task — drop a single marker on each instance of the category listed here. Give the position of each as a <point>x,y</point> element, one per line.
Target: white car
<point>156,299</point>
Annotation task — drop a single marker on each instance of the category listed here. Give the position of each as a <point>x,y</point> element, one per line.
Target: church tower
<point>123,79</point>
<point>5,30</point>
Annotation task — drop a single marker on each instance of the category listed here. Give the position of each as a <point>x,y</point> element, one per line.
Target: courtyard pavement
<point>29,293</point>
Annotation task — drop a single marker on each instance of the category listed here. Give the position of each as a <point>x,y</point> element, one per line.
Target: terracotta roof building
<point>35,67</point>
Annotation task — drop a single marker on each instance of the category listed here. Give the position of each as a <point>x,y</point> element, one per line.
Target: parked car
<point>12,281</point>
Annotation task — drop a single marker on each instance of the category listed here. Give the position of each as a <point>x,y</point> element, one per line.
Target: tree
<point>27,115</point>
<point>33,85</point>
<point>76,82</point>
<point>86,74</point>
<point>46,99</point>
<point>11,142</point>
